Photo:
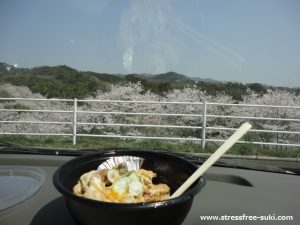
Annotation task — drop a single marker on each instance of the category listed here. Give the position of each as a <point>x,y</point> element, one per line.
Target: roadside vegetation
<point>88,143</point>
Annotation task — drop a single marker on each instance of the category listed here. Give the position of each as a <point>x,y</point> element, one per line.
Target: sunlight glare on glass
<point>128,59</point>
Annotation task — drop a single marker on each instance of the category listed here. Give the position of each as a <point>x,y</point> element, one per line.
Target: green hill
<point>9,69</point>
<point>55,82</point>
<point>171,77</point>
<point>66,82</point>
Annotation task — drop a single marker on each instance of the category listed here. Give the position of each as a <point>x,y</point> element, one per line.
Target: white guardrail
<point>202,116</point>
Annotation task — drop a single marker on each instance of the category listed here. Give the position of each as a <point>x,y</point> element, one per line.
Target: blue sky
<point>246,41</point>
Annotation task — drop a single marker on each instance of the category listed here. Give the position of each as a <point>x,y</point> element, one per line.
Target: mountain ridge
<point>67,82</point>
<point>170,76</point>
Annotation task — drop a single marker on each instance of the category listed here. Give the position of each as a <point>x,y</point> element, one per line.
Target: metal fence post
<point>74,121</point>
<point>203,125</point>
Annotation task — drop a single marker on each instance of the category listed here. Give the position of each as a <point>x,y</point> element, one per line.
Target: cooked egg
<point>135,188</point>
<point>134,177</point>
<point>113,175</point>
<point>121,186</point>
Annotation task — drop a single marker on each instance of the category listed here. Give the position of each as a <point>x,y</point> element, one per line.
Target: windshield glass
<point>174,75</point>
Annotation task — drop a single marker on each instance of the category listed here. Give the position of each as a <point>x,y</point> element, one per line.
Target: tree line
<point>66,82</point>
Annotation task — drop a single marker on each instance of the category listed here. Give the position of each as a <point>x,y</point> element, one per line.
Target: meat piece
<point>157,192</point>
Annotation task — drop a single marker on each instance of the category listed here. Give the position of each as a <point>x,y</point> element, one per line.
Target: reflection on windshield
<point>224,62</point>
<point>249,42</point>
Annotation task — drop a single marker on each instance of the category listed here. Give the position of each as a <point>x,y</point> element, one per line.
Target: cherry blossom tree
<point>216,113</point>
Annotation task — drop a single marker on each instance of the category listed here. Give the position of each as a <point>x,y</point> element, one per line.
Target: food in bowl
<point>170,169</point>
<point>120,186</point>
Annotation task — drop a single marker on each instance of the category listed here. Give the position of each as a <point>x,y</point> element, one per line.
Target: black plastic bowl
<point>170,169</point>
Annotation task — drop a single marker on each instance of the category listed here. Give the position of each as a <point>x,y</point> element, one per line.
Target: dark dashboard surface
<point>231,196</point>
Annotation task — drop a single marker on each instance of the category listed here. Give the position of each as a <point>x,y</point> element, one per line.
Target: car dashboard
<point>230,196</point>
